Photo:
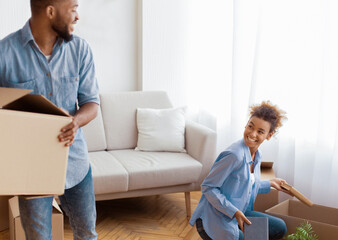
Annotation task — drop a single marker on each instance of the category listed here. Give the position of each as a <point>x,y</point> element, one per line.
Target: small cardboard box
<point>16,231</point>
<point>33,161</point>
<point>4,212</point>
<point>324,220</point>
<point>267,171</point>
<point>268,200</point>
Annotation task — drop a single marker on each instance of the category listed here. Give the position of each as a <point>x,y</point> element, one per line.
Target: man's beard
<point>63,32</point>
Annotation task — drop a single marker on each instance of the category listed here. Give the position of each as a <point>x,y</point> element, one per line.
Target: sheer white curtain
<point>286,52</point>
<point>208,87</point>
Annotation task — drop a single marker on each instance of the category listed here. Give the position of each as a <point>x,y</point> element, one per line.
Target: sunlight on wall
<point>13,16</point>
<point>208,88</point>
<point>187,52</point>
<point>210,54</point>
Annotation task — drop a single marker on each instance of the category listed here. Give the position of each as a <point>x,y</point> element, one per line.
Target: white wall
<point>164,47</point>
<point>187,52</point>
<point>13,15</point>
<point>110,27</point>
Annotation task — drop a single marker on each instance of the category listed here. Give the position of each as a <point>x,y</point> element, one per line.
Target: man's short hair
<point>37,5</point>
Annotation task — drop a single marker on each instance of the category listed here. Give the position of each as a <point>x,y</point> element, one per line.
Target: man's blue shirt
<point>227,189</point>
<point>67,79</point>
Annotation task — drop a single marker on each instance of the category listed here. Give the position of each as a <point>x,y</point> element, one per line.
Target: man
<point>44,56</point>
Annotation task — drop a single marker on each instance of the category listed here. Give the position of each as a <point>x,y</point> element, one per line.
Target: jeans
<point>77,202</point>
<point>200,230</point>
<point>277,227</point>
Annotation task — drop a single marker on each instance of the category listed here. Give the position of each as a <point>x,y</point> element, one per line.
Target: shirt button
<point>76,79</point>
<point>47,74</point>
<point>50,94</point>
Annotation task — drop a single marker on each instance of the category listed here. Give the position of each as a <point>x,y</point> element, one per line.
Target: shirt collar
<point>27,36</point>
<point>258,156</point>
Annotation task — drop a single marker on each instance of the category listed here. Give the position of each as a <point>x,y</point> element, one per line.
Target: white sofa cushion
<point>160,129</point>
<point>157,169</point>
<point>94,134</point>
<point>108,174</point>
<point>119,115</point>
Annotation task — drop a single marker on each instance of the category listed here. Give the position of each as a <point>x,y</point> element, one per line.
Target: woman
<point>230,189</point>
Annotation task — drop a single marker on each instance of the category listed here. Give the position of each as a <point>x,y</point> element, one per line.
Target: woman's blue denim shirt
<point>227,189</point>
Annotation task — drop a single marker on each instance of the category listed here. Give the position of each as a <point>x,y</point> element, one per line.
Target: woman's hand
<point>277,182</point>
<point>241,219</point>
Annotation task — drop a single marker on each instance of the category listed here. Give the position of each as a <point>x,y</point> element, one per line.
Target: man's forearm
<point>86,113</point>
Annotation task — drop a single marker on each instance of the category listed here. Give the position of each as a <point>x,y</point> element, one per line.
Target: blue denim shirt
<point>67,79</point>
<point>227,189</point>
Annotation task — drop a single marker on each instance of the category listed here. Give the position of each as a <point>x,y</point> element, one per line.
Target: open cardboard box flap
<point>33,160</point>
<point>21,100</point>
<point>297,194</point>
<point>8,95</point>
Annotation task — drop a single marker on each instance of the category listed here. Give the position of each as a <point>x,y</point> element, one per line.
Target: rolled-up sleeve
<point>224,165</point>
<point>264,187</point>
<point>88,86</point>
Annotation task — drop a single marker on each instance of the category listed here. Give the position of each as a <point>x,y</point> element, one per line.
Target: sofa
<point>120,171</point>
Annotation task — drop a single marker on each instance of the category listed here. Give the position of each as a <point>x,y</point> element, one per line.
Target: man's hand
<point>68,133</point>
<point>241,219</point>
<point>84,115</point>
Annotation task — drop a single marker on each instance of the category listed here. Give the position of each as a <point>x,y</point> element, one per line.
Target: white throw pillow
<point>160,129</point>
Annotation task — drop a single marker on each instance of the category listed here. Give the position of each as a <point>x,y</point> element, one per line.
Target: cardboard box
<point>4,212</point>
<point>16,231</point>
<point>33,161</point>
<point>268,200</point>
<point>324,220</point>
<point>267,171</point>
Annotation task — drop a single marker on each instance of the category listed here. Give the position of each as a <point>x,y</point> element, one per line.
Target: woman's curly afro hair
<point>270,113</point>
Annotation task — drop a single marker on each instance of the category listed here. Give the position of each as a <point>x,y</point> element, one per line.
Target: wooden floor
<point>154,218</point>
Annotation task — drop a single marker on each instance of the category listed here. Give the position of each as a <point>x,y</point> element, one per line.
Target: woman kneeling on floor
<point>230,189</point>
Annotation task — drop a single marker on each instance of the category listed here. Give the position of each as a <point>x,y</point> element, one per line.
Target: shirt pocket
<point>30,84</point>
<point>69,90</point>
<point>237,184</point>
<point>236,187</point>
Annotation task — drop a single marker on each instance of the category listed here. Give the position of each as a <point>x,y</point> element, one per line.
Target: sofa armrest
<point>200,143</point>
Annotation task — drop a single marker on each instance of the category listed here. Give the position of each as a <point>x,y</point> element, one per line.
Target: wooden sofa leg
<point>187,204</point>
